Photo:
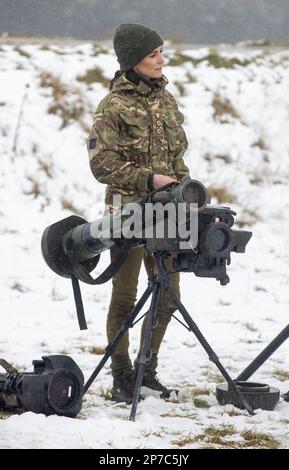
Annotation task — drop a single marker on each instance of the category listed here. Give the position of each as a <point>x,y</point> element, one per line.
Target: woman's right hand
<point>161,180</point>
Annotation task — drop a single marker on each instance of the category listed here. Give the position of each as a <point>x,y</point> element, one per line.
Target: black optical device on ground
<point>54,387</point>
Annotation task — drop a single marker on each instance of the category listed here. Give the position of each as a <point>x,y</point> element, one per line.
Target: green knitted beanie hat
<point>133,42</point>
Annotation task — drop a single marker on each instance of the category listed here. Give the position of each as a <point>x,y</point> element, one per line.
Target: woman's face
<point>152,65</point>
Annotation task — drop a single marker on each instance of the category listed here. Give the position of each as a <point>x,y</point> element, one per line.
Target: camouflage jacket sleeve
<point>104,149</point>
<point>179,167</point>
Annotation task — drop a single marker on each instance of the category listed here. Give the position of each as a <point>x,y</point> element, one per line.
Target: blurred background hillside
<point>190,21</point>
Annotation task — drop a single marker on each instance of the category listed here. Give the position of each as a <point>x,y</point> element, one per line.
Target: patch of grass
<point>19,287</point>
<point>191,78</point>
<point>57,51</point>
<point>265,43</point>
<point>22,53</point>
<point>175,414</point>
<point>98,350</point>
<point>45,48</point>
<point>98,49</point>
<point>180,87</point>
<point>35,190</point>
<point>217,61</point>
<point>212,376</point>
<point>249,326</point>
<point>211,157</point>
<point>56,296</point>
<point>213,58</point>
<point>65,352</point>
<point>257,340</point>
<point>201,403</point>
<point>94,76</point>
<point>281,374</point>
<point>147,434</point>
<point>222,194</point>
<point>256,180</point>
<point>259,439</point>
<point>235,412</point>
<point>248,218</point>
<point>216,436</point>
<point>223,107</point>
<point>66,204</point>
<point>4,131</point>
<point>196,391</point>
<point>211,435</point>
<point>179,59</point>
<point>4,414</point>
<point>105,393</point>
<point>67,102</point>
<point>184,441</point>
<point>67,111</point>
<point>260,289</point>
<point>261,144</point>
<point>46,168</point>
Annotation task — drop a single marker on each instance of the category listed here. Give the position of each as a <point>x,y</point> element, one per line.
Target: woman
<point>136,145</point>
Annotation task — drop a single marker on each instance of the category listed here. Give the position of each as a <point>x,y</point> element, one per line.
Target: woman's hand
<point>161,180</point>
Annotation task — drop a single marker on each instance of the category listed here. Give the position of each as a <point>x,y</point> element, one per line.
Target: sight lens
<point>218,239</point>
<point>63,391</point>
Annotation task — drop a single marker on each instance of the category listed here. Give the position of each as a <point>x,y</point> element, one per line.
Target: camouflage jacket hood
<point>137,130</point>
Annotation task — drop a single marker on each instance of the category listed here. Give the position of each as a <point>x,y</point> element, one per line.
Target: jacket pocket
<point>174,132</point>
<point>135,138</point>
<point>171,131</point>
<point>135,130</point>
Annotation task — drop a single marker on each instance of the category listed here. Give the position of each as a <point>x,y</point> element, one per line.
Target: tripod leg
<point>113,344</point>
<point>145,347</point>
<point>264,355</point>
<point>212,355</point>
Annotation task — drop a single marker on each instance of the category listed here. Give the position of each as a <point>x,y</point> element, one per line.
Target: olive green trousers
<point>124,294</point>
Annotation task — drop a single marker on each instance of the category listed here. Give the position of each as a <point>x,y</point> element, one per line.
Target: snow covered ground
<point>236,109</point>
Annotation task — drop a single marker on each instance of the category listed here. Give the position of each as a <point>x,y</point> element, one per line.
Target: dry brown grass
<point>94,76</point>
<point>67,102</point>
<point>216,437</point>
<point>98,350</point>
<point>223,107</point>
<point>221,194</point>
<point>281,374</point>
<point>247,219</point>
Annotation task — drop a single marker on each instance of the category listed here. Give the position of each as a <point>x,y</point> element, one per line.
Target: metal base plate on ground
<point>258,395</point>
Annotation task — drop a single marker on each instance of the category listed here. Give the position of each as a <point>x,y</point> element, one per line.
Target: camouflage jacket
<point>136,131</point>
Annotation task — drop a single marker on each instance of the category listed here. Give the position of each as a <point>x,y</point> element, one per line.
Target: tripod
<point>156,283</point>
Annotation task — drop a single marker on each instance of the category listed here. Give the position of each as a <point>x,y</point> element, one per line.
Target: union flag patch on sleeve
<point>91,143</point>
